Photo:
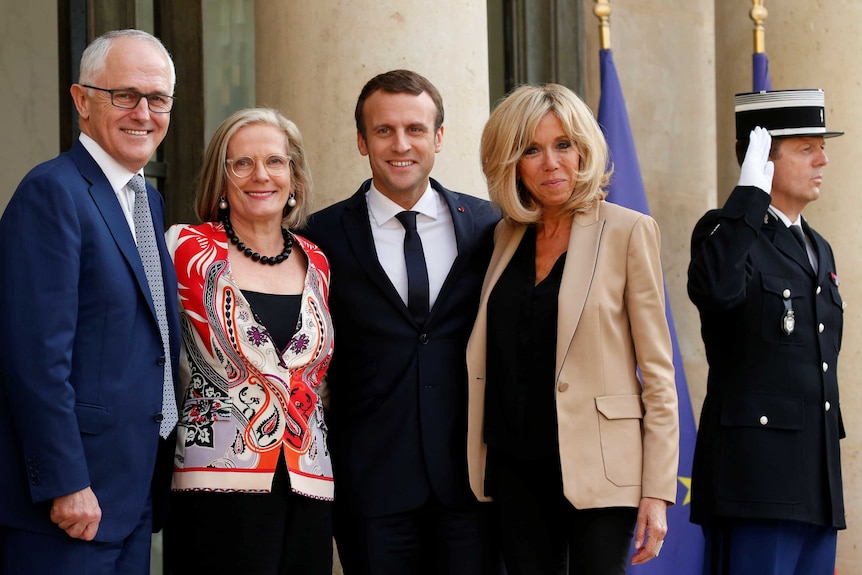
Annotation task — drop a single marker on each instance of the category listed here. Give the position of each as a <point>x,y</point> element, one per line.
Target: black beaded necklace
<point>248,252</point>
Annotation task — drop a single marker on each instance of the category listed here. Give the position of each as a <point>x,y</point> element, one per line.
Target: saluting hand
<point>757,169</point>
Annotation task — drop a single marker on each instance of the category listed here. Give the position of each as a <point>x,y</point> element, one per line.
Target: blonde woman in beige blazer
<point>572,409</point>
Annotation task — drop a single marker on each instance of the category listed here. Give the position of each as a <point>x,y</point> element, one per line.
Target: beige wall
<point>314,57</point>
<point>29,97</point>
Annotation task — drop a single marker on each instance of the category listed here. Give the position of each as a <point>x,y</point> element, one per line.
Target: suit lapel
<point>578,274</point>
<point>783,240</point>
<point>115,219</point>
<point>465,239</point>
<point>358,229</point>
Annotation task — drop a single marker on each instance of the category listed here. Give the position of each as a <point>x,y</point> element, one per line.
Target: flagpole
<point>602,10</point>
<point>758,13</point>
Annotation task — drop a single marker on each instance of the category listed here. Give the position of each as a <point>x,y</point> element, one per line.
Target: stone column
<point>813,45</point>
<point>312,59</point>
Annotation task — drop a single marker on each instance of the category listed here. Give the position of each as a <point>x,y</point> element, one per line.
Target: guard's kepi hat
<point>784,113</point>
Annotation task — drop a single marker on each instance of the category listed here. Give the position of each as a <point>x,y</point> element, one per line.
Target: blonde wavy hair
<point>510,130</point>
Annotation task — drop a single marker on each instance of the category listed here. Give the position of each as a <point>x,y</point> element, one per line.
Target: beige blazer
<point>619,439</point>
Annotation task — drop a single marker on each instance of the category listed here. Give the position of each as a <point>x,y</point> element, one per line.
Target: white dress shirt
<point>434,224</point>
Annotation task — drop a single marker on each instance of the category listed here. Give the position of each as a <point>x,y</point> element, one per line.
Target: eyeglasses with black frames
<point>243,166</point>
<point>129,99</point>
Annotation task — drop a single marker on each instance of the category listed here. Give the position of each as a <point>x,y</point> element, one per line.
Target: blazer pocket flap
<point>766,410</point>
<point>91,418</point>
<point>620,406</point>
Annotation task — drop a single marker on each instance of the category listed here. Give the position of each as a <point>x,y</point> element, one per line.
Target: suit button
<point>825,367</point>
<point>828,406</point>
<point>563,387</point>
<point>423,339</point>
<point>820,328</point>
<point>817,291</point>
<point>160,361</point>
<point>764,420</point>
<point>785,294</point>
<point>159,417</point>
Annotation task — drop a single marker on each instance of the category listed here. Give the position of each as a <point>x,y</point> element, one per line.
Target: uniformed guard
<point>766,483</point>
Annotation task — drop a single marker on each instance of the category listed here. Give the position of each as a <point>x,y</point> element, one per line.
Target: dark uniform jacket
<point>767,443</point>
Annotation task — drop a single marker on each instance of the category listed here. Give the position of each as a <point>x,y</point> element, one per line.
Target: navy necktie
<point>417,272</point>
<point>145,236</point>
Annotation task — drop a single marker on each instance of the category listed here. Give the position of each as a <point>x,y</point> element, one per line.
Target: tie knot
<point>407,219</point>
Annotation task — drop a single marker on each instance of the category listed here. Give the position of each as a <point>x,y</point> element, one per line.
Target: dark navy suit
<point>768,440</point>
<point>398,389</point>
<point>82,363</point>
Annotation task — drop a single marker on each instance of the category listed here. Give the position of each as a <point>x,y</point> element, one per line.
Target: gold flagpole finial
<point>602,10</point>
<point>758,14</point>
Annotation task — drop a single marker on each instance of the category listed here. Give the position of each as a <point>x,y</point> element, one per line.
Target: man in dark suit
<point>90,333</point>
<point>766,484</point>
<point>398,377</point>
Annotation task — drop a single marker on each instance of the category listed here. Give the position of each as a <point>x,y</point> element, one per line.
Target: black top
<point>520,403</point>
<point>279,313</point>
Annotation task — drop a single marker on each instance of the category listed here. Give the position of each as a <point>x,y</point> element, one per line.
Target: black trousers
<point>277,533</point>
<point>541,533</point>
<point>430,540</point>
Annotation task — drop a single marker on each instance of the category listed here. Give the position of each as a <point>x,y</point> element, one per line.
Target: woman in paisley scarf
<point>252,484</point>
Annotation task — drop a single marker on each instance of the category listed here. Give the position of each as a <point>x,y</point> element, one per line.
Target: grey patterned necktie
<point>146,238</point>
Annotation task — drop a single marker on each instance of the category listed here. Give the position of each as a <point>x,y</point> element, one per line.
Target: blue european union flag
<point>682,553</point>
<point>760,72</point>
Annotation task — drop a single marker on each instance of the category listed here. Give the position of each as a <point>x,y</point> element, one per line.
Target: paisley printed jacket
<point>244,402</point>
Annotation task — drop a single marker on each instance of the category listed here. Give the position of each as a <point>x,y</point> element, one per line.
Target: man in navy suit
<point>766,483</point>
<point>89,353</point>
<point>398,377</point>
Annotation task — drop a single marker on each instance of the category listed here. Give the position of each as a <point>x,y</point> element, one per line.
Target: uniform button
<point>563,387</point>
<point>817,291</point>
<point>786,293</point>
<point>764,420</point>
<point>828,406</point>
<point>159,417</point>
<point>820,327</point>
<point>160,361</point>
<point>423,339</point>
<point>825,367</point>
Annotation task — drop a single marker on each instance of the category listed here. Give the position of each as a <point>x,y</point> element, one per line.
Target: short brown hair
<point>398,82</point>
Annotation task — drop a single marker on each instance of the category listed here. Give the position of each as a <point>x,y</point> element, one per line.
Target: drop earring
<point>291,200</point>
<point>222,203</point>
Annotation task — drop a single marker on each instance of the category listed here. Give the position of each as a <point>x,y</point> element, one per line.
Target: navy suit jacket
<point>398,406</point>
<point>768,439</point>
<point>81,371</point>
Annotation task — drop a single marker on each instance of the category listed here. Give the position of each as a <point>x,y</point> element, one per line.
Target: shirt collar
<point>383,209</point>
<point>781,216</point>
<point>118,176</point>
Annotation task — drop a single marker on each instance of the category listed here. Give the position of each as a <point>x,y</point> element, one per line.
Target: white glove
<point>756,168</point>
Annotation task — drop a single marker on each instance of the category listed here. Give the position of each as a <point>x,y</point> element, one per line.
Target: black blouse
<point>520,404</point>
<point>279,313</point>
